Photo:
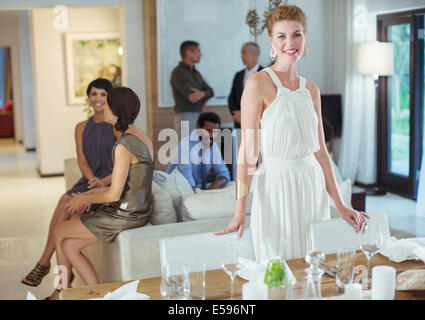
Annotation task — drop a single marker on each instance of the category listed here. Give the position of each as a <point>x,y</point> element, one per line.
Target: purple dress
<point>98,141</point>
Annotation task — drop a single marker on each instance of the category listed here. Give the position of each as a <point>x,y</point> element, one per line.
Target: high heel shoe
<point>36,275</point>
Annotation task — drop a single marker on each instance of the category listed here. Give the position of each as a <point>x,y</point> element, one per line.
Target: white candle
<point>383,283</point>
<point>254,291</point>
<point>353,291</point>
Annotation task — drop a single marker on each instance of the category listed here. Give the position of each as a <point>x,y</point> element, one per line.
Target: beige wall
<point>55,119</point>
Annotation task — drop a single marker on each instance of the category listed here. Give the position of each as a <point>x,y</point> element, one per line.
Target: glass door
<point>401,104</point>
<point>420,92</point>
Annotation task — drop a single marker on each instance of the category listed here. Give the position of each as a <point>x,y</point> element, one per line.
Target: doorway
<point>401,100</point>
<point>6,94</point>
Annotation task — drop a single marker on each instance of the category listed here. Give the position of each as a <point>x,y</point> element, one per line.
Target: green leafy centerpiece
<point>275,275</point>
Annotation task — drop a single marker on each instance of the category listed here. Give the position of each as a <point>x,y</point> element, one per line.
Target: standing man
<point>249,53</point>
<point>190,91</point>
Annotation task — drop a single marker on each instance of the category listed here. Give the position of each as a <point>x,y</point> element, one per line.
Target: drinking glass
<point>371,242</point>
<point>175,284</point>
<point>345,265</point>
<point>229,261</point>
<point>196,270</point>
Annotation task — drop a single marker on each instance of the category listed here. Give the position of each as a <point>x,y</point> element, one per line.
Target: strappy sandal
<point>57,290</point>
<point>37,274</point>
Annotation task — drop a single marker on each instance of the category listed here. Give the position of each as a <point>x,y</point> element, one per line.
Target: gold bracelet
<point>241,190</point>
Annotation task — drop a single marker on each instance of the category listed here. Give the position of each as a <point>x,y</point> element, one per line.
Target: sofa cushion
<point>177,186</point>
<point>207,204</point>
<point>160,177</point>
<point>163,209</point>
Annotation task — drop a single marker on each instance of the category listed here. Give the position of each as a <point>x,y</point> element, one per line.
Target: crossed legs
<point>70,238</point>
<point>43,266</point>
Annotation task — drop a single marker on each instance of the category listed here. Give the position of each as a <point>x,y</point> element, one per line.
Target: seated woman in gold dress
<point>127,203</point>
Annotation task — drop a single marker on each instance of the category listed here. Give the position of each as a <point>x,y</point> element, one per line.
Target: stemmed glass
<point>229,262</point>
<point>371,243</point>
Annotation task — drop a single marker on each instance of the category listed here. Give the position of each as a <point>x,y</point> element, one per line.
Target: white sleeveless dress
<point>289,188</point>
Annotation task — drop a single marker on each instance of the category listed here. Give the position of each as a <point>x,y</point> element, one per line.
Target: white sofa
<point>135,253</point>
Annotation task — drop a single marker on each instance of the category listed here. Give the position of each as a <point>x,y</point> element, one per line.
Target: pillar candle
<point>383,283</point>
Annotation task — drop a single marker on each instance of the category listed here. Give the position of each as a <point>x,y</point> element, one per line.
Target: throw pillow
<point>177,186</point>
<point>160,177</point>
<point>207,204</point>
<point>345,191</point>
<point>163,210</point>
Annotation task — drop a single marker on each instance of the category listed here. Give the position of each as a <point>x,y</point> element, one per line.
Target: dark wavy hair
<point>208,116</point>
<point>99,83</point>
<point>124,104</point>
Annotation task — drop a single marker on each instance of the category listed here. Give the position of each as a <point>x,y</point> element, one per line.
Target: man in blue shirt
<point>199,158</point>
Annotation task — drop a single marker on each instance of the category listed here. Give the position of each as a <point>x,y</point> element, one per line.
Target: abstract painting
<point>90,56</point>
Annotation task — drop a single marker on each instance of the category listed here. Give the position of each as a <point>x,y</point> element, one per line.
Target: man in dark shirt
<point>190,91</point>
<point>250,52</point>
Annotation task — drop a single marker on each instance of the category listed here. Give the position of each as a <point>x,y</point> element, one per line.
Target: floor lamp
<point>375,59</point>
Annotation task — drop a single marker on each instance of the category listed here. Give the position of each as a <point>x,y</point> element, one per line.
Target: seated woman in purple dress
<point>94,140</point>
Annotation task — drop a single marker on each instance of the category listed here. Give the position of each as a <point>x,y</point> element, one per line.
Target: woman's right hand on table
<point>237,224</point>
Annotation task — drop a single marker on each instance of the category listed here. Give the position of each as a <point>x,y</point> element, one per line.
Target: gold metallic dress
<point>135,205</point>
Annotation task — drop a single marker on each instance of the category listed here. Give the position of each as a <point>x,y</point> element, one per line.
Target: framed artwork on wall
<point>90,56</point>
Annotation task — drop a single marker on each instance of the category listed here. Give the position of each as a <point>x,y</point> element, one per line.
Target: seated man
<point>199,158</point>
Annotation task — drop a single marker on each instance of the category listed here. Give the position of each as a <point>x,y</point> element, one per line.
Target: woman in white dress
<point>281,115</point>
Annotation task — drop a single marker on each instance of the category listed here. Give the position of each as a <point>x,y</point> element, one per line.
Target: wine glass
<point>175,284</point>
<point>371,242</point>
<point>229,262</point>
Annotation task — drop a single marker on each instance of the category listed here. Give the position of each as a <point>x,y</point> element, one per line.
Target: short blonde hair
<point>285,12</point>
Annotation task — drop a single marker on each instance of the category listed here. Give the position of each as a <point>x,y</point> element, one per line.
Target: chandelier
<point>256,27</point>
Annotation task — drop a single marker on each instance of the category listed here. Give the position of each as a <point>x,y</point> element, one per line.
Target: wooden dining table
<point>218,282</point>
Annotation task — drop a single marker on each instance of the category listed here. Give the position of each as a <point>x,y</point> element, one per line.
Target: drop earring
<point>273,54</point>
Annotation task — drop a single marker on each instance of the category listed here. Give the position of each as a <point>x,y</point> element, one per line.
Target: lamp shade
<point>375,58</point>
